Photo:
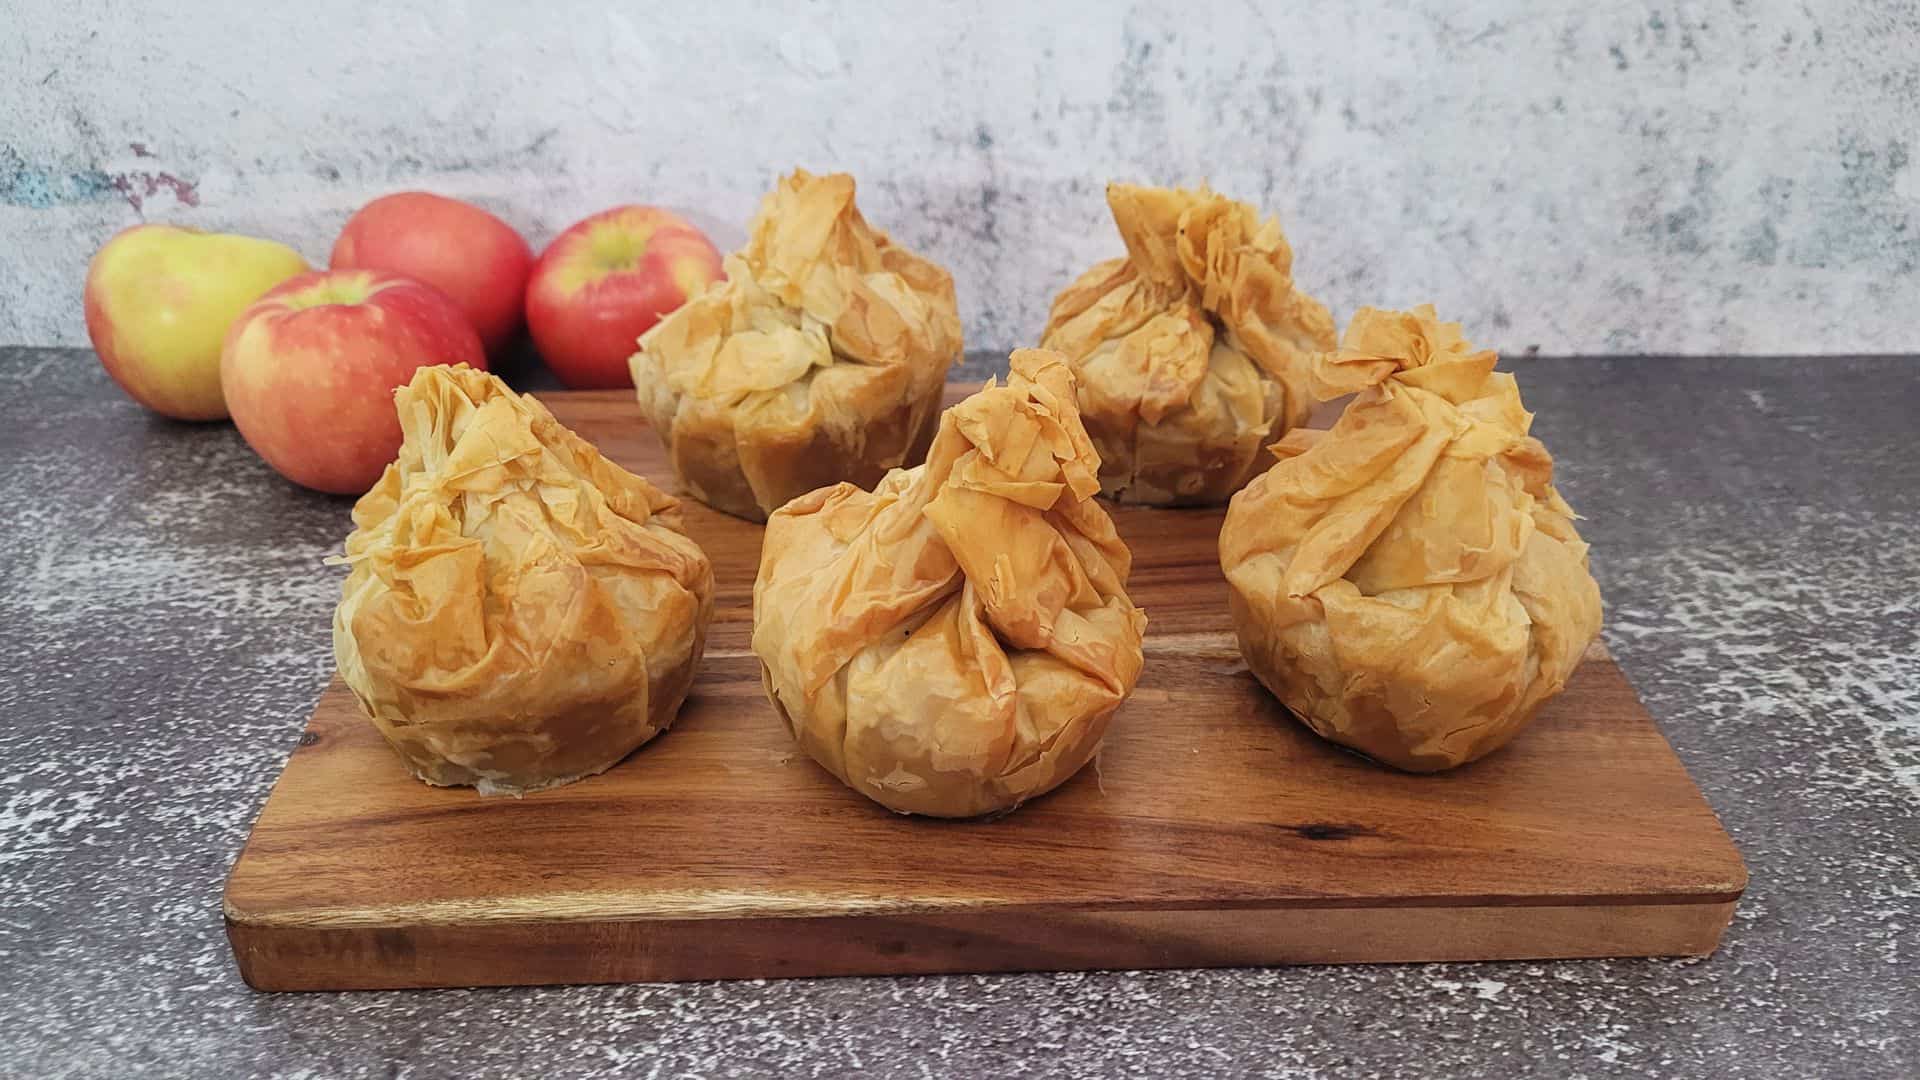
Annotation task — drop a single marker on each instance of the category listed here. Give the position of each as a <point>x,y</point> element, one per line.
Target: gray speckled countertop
<point>1756,529</point>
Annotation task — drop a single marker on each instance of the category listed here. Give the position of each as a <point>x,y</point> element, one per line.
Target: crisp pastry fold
<point>1193,351</point>
<point>821,358</point>
<point>955,641</point>
<point>1409,583</point>
<point>520,611</point>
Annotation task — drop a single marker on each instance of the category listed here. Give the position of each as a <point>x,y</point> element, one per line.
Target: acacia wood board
<point>1214,830</point>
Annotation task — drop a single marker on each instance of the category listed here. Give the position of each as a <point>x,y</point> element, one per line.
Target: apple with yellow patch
<point>607,280</point>
<point>159,300</point>
<point>309,371</point>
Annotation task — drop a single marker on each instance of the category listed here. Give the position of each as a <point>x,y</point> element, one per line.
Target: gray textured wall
<point>1614,178</point>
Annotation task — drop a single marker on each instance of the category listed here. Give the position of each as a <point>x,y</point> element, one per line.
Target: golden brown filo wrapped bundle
<point>1409,583</point>
<point>954,642</point>
<point>521,612</point>
<point>821,358</point>
<point>1193,350</point>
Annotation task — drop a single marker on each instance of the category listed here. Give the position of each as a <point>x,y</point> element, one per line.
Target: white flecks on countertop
<point>164,631</point>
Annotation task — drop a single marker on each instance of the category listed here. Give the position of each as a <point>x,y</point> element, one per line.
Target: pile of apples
<point>202,326</point>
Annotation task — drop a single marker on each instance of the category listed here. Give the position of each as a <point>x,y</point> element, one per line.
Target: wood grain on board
<point>1214,830</point>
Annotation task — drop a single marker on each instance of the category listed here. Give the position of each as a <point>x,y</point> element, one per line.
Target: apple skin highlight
<point>309,371</point>
<point>608,279</point>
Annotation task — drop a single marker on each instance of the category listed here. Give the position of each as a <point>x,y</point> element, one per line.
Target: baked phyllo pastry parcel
<point>1409,583</point>
<point>520,612</point>
<point>821,358</point>
<point>954,642</point>
<point>1193,350</point>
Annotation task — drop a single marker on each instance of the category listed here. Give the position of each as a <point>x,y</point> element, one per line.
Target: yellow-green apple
<point>159,300</point>
<point>460,249</point>
<point>309,371</point>
<point>607,280</point>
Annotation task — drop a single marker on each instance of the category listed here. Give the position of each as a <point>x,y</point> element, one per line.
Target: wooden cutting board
<point>1215,831</point>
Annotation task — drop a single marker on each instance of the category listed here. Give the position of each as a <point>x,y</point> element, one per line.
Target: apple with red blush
<point>608,279</point>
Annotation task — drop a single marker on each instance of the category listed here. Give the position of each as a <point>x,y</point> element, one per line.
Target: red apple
<point>607,280</point>
<point>309,371</point>
<point>460,249</point>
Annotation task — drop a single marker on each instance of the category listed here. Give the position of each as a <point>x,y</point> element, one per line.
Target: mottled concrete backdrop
<point>1698,177</point>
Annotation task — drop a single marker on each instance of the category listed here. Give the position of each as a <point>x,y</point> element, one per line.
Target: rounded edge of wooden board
<point>674,951</point>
